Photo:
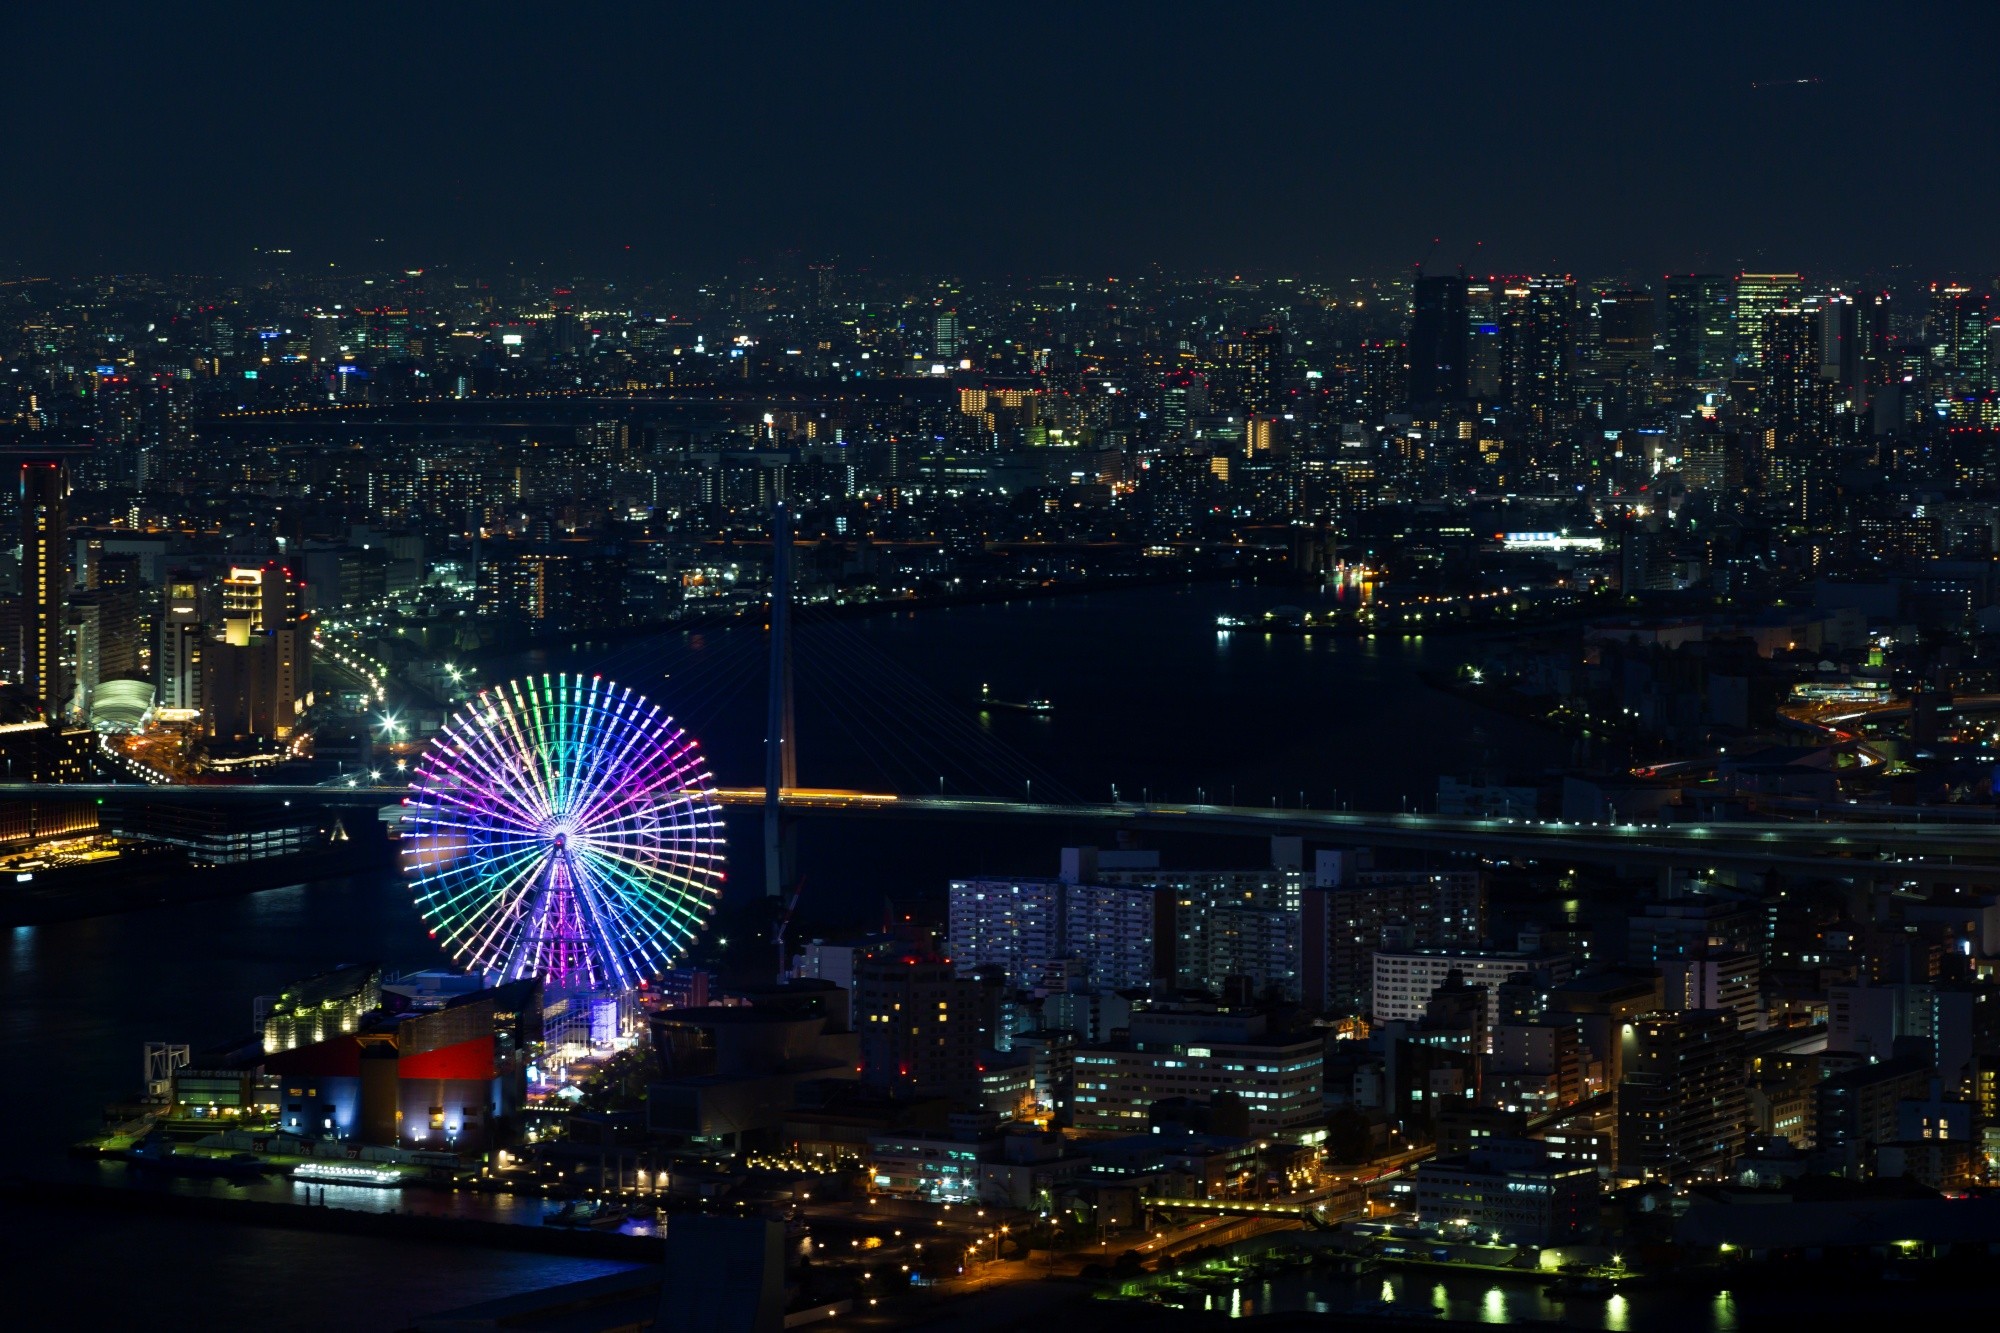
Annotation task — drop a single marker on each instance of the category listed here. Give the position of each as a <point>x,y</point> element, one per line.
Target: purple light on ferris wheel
<point>562,827</point>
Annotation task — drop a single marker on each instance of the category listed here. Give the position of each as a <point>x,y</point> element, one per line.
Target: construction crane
<point>1418,267</point>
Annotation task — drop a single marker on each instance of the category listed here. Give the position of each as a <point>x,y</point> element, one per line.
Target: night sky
<point>1323,138</point>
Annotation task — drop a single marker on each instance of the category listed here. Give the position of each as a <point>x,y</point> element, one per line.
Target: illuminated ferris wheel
<point>562,827</point>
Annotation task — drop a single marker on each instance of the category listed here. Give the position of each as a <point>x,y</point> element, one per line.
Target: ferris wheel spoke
<point>515,902</point>
<point>488,756</point>
<point>666,764</point>
<point>631,774</point>
<point>450,809</point>
<point>614,932</point>
<point>639,927</point>
<point>545,722</point>
<point>611,774</point>
<point>461,885</point>
<point>514,755</point>
<point>533,719</point>
<point>661,911</point>
<point>694,885</point>
<point>490,897</point>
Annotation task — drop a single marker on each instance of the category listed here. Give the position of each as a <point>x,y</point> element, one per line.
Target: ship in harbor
<point>987,700</point>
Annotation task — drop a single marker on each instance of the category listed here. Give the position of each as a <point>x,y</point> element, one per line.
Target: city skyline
<point>970,667</point>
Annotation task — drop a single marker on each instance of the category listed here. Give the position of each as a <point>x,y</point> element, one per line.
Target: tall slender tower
<point>1439,337</point>
<point>781,765</point>
<point>44,581</point>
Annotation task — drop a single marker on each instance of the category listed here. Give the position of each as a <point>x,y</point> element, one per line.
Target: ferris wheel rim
<point>570,797</point>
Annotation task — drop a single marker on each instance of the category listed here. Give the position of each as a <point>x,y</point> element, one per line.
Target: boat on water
<point>587,1213</point>
<point>348,1173</point>
<point>987,700</point>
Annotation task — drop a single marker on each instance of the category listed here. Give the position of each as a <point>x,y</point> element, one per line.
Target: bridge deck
<point>1952,851</point>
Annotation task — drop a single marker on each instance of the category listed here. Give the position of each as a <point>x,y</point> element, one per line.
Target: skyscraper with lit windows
<point>1699,327</point>
<point>1757,296</point>
<point>1539,332</point>
<point>44,494</point>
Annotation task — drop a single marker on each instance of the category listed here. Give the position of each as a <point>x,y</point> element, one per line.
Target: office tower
<point>386,333</point>
<point>1380,379</point>
<point>1183,397</point>
<point>1485,357</point>
<point>1681,1102</point>
<point>1757,295</point>
<point>177,663</point>
<point>565,331</point>
<point>1795,408</point>
<point>1795,403</point>
<point>44,581</point>
<point>323,337</point>
<point>1699,327</point>
<point>270,600</point>
<point>1625,337</point>
<point>1263,370</point>
<point>1438,342</point>
<point>104,625</point>
<point>1960,321</point>
<point>1855,347</point>
<point>257,680</point>
<point>945,335</point>
<point>1539,330</point>
<point>921,1025</point>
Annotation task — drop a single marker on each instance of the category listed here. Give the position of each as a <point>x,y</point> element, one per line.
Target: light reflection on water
<point>1472,1300</point>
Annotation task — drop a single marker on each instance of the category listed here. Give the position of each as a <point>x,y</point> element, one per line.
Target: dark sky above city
<point>1325,138</point>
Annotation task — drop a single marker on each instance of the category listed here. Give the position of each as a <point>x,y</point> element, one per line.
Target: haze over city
<point>1319,139</point>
